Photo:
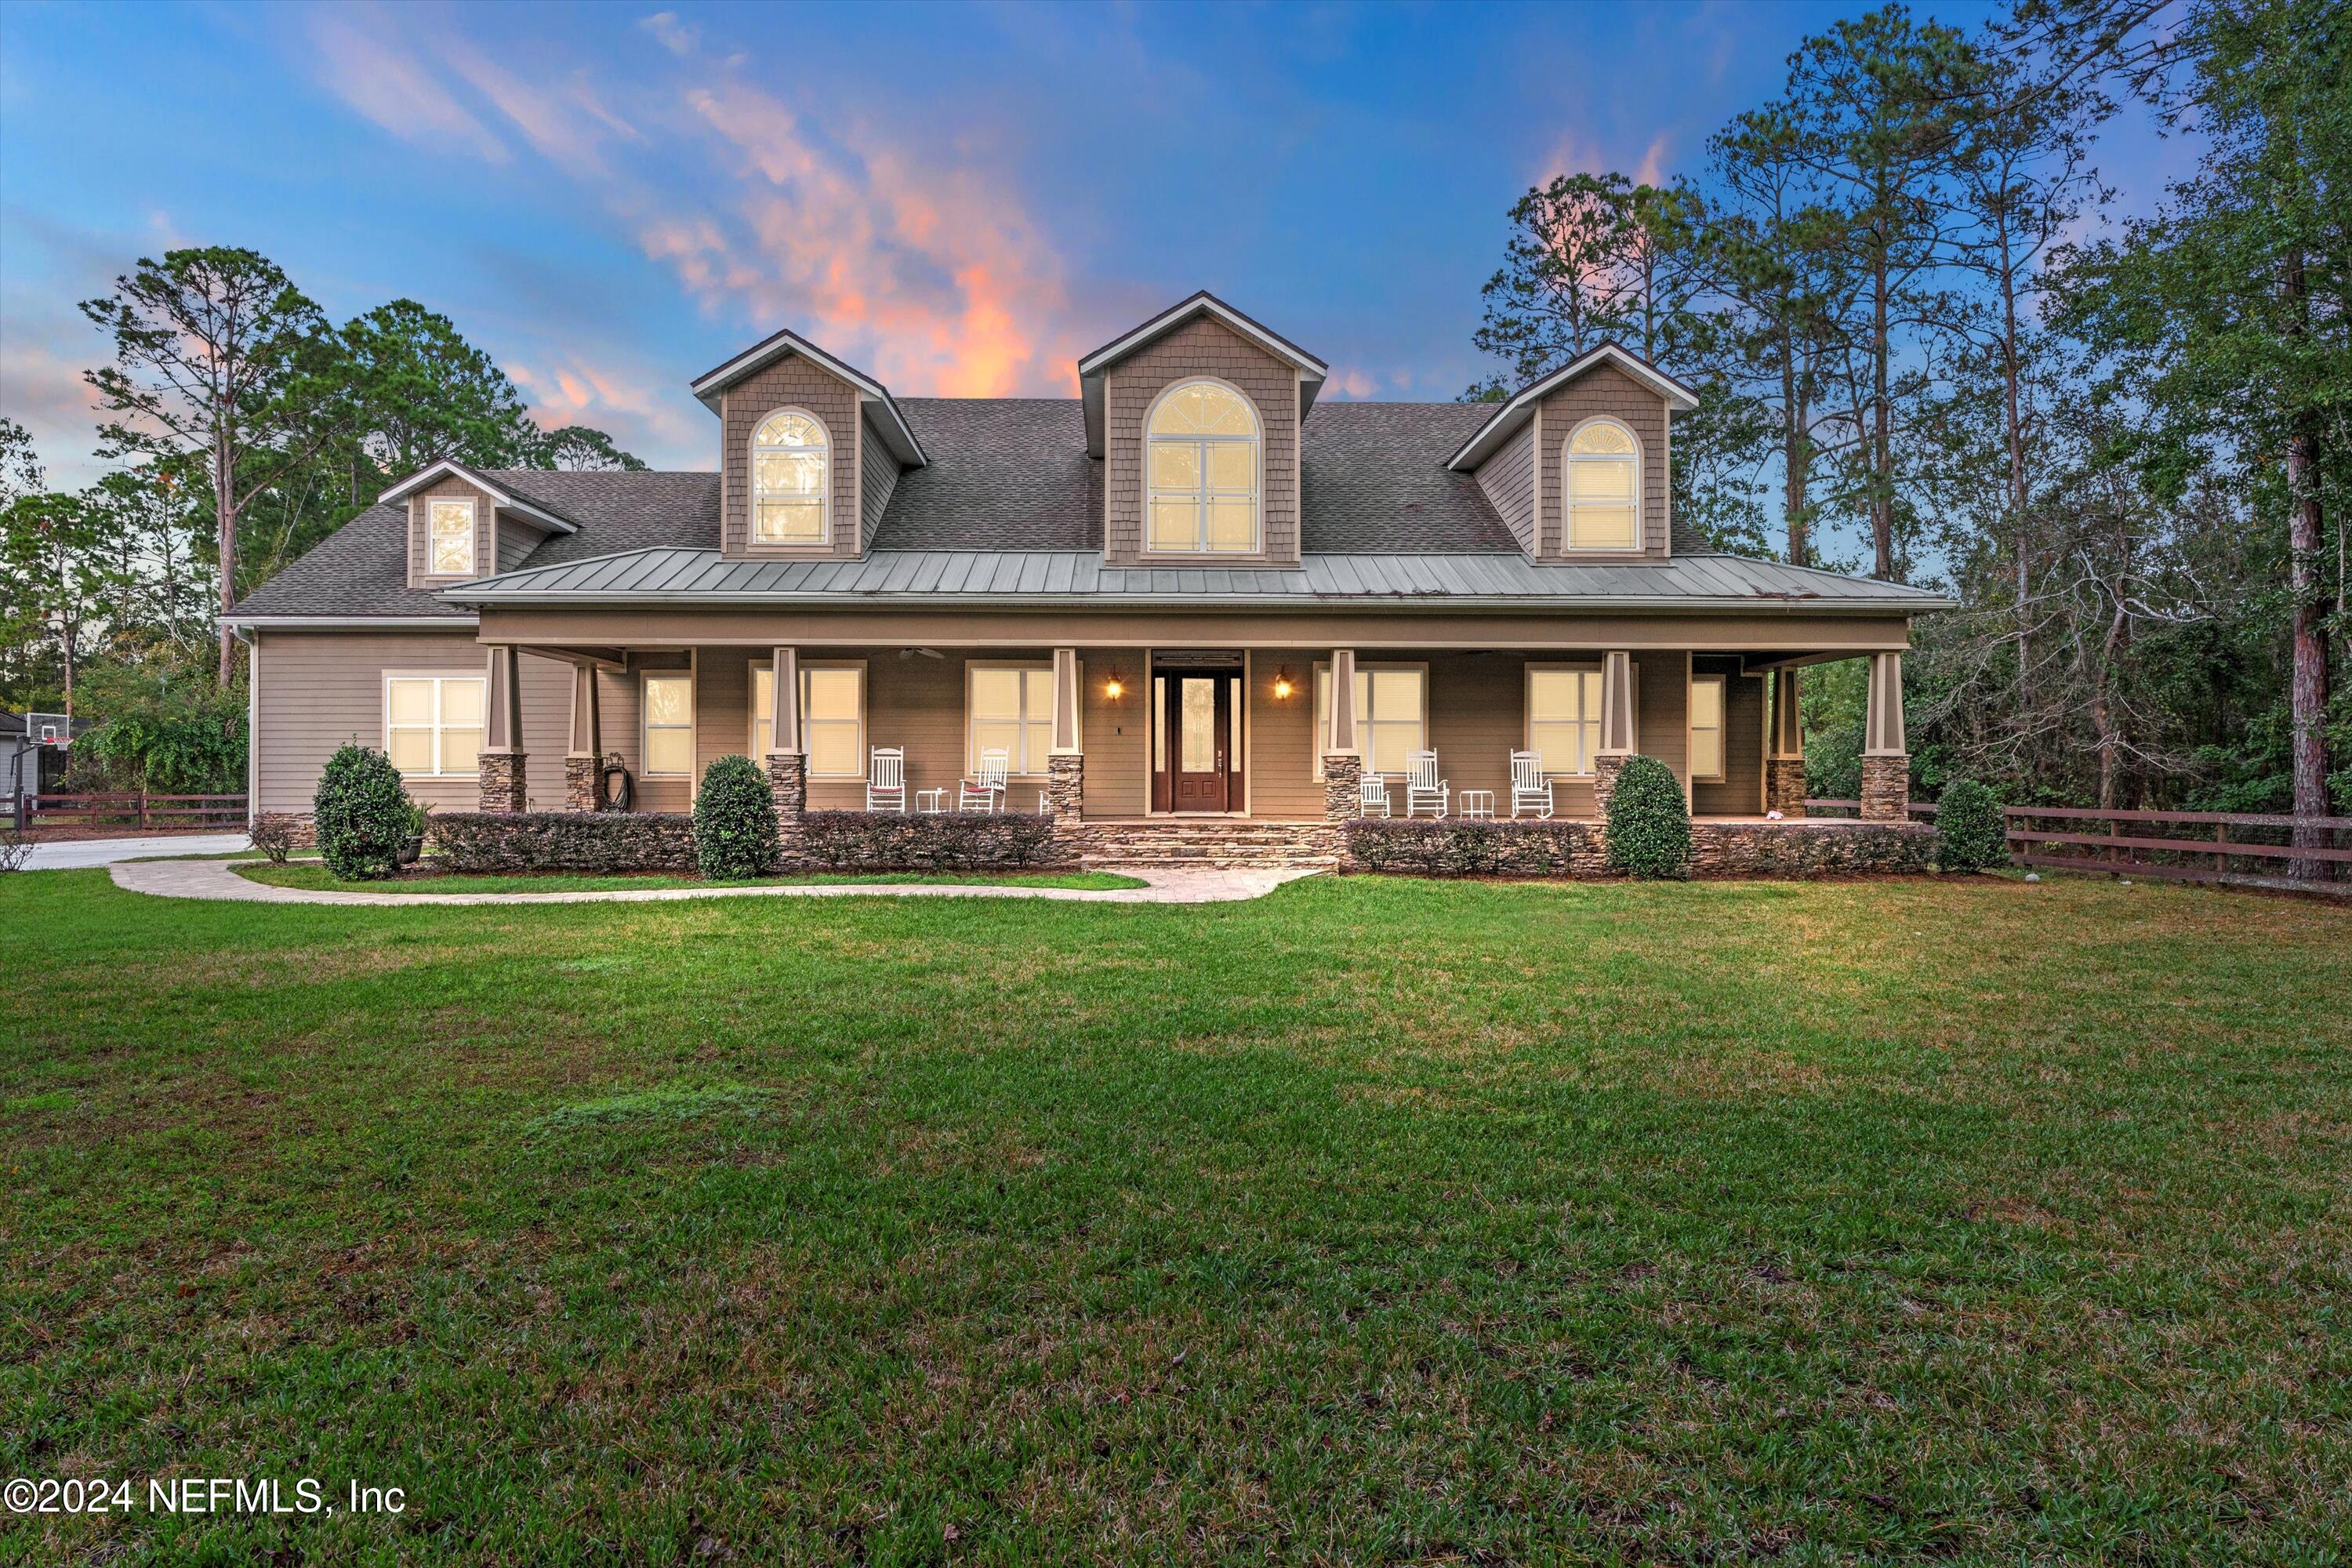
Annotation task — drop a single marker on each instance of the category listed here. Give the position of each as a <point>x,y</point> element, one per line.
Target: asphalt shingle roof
<point>1005,475</point>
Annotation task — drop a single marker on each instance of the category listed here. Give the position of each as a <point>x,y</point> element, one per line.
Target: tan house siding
<point>419,535</point>
<point>1604,390</point>
<point>1117,735</point>
<point>1742,792</point>
<point>515,541</point>
<point>877,479</point>
<point>1199,347</point>
<point>791,383</point>
<point>320,689</point>
<point>1509,478</point>
<point>1280,739</point>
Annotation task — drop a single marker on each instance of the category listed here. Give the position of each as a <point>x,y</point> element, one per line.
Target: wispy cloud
<point>367,63</point>
<point>672,33</point>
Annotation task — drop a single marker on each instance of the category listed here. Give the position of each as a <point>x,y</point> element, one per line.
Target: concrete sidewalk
<point>219,879</point>
<point>81,852</point>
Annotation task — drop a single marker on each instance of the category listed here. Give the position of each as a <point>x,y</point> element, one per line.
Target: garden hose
<point>613,798</point>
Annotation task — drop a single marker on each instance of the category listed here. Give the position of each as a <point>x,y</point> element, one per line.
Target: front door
<point>1200,730</point>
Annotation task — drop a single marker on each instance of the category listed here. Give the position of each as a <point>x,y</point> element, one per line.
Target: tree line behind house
<point>247,426</point>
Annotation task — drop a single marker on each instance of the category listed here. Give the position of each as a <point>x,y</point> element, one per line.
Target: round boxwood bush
<point>1969,832</point>
<point>363,815</point>
<point>1649,822</point>
<point>735,822</point>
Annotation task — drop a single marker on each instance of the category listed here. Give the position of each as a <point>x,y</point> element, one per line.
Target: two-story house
<point>1196,593</point>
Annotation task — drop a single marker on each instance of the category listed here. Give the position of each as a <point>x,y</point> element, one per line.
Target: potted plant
<point>412,848</point>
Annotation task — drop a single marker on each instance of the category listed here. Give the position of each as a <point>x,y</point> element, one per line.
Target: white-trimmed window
<point>1201,457</point>
<point>1603,483</point>
<point>433,723</point>
<point>1010,707</point>
<point>1707,711</point>
<point>791,480</point>
<point>449,536</point>
<point>1564,717</point>
<point>1391,714</point>
<point>668,703</point>
<point>832,718</point>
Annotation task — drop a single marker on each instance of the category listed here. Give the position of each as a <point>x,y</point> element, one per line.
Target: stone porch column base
<point>788,791</point>
<point>504,777</point>
<point>1606,766</point>
<point>579,783</point>
<point>1343,773</point>
<point>1886,788</point>
<point>1784,785</point>
<point>1065,785</point>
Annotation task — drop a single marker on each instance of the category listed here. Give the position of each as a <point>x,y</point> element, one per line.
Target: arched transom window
<point>792,479</point>
<point>1202,456</point>
<point>1603,483</point>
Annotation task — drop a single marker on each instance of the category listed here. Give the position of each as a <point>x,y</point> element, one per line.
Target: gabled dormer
<point>1576,463</point>
<point>809,449</point>
<point>1195,414</point>
<point>465,524</point>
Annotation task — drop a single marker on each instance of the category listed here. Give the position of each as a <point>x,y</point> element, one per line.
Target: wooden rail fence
<point>2249,849</point>
<point>136,806</point>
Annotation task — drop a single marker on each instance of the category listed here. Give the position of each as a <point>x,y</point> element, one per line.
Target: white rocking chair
<point>1424,789</point>
<point>1531,791</point>
<point>985,790</point>
<point>886,779</point>
<point>1372,796</point>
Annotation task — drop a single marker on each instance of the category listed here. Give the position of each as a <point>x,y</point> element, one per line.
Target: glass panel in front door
<point>1200,725</point>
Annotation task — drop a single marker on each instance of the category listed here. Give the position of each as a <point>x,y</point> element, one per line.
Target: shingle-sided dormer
<point>1196,416</point>
<point>1576,463</point>
<point>809,449</point>
<point>467,523</point>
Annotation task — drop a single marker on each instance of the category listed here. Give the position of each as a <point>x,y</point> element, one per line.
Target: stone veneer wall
<point>1885,788</point>
<point>504,780</point>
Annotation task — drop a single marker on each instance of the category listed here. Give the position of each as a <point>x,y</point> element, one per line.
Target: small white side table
<point>1478,804</point>
<point>931,802</point>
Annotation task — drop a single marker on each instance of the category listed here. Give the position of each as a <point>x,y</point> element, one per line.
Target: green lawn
<point>1372,1221</point>
<point>312,874</point>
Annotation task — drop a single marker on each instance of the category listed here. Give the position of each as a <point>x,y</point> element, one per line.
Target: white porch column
<point>1886,760</point>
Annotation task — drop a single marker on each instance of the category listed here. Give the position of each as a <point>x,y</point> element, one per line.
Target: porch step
<point>1220,844</point>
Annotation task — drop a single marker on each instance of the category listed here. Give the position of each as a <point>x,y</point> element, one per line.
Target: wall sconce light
<point>1114,687</point>
<point>1282,687</point>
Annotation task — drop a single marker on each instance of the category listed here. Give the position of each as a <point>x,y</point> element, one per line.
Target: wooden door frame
<point>1233,707</point>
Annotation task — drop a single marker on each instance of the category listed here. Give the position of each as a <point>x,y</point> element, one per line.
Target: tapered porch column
<point>1064,766</point>
<point>502,770</point>
<point>1343,763</point>
<point>1784,762</point>
<point>1886,760</point>
<point>1617,740</point>
<point>787,768</point>
<point>584,758</point>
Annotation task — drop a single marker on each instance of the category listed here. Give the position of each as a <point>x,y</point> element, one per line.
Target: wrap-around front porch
<point>1196,752</point>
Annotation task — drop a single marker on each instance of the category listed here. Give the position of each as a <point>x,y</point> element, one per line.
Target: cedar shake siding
<point>1604,390</point>
<point>420,533</point>
<point>1508,479</point>
<point>791,383</point>
<point>1203,347</point>
<point>877,479</point>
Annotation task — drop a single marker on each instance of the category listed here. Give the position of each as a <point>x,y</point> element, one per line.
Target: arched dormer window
<point>1603,481</point>
<point>1202,456</point>
<point>791,480</point>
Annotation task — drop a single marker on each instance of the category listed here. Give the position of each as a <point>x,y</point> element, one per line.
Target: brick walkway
<point>219,879</point>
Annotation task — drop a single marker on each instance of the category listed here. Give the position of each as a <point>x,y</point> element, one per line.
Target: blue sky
<point>612,199</point>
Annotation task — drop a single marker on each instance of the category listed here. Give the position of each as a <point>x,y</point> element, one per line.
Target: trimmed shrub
<point>602,841</point>
<point>1970,833</point>
<point>275,834</point>
<point>1417,847</point>
<point>735,822</point>
<point>363,815</point>
<point>1649,822</point>
<point>891,841</point>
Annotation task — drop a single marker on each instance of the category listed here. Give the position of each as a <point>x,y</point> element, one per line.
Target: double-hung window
<point>790,474</point>
<point>1391,714</point>
<point>1010,708</point>
<point>1201,458</point>
<point>433,723</point>
<point>1706,727</point>
<point>669,725</point>
<point>832,718</point>
<point>449,537</point>
<point>1603,481</point>
<point>1564,718</point>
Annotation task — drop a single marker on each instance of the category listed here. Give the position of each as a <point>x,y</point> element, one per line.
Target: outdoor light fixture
<point>1282,685</point>
<point>1114,687</point>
